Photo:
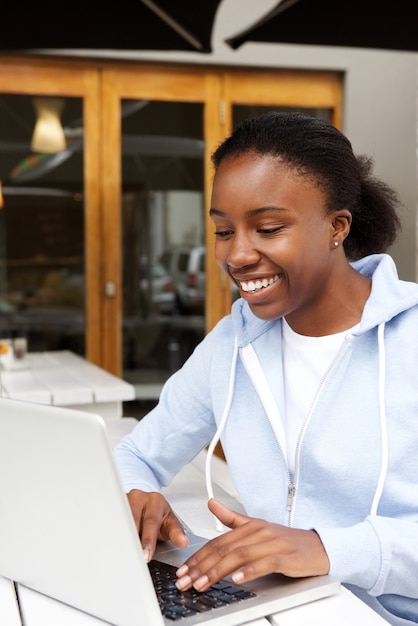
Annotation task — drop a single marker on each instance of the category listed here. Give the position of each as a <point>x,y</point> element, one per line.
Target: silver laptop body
<point>66,529</point>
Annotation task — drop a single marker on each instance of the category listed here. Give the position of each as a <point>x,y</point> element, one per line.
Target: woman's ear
<point>340,226</point>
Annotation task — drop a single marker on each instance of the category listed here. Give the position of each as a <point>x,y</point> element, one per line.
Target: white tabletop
<point>65,379</point>
<point>342,609</point>
<point>9,608</point>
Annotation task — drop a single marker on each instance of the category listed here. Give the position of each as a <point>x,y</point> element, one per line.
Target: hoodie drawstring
<point>383,420</point>
<point>217,436</point>
<point>382,415</point>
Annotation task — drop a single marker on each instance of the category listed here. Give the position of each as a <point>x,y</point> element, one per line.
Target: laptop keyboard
<point>175,604</point>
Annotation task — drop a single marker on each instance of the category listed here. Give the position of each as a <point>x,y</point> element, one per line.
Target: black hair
<point>320,151</point>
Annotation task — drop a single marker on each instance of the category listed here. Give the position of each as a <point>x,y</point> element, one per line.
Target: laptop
<point>66,529</point>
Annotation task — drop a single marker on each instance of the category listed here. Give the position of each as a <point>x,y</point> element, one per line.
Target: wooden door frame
<point>149,82</point>
<point>284,88</point>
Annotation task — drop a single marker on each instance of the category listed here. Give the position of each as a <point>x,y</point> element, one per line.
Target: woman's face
<point>273,236</point>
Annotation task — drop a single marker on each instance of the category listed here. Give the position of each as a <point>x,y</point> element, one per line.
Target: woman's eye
<point>269,230</point>
<point>223,233</point>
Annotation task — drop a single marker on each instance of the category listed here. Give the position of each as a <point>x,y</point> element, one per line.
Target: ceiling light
<point>48,135</point>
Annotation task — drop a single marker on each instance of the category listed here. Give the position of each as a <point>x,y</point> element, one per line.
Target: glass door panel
<point>42,264</point>
<point>163,234</point>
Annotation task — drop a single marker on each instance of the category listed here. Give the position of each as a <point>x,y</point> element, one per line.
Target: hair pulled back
<point>316,149</point>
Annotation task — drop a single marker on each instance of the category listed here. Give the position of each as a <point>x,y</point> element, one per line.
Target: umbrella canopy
<point>129,25</point>
<point>355,23</point>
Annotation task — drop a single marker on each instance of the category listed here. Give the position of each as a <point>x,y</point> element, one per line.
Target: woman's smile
<point>254,285</point>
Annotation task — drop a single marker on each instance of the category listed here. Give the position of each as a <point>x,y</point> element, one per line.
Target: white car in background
<point>157,285</point>
<point>186,265</point>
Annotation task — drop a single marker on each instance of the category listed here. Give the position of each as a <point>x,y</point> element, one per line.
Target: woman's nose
<point>241,252</point>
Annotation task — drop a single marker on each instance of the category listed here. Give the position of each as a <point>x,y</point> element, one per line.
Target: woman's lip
<point>257,284</point>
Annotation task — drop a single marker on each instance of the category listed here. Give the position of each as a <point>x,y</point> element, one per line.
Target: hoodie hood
<point>389,295</point>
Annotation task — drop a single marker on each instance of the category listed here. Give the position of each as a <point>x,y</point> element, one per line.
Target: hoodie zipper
<point>291,488</point>
<point>256,374</point>
<point>258,378</point>
<point>291,492</point>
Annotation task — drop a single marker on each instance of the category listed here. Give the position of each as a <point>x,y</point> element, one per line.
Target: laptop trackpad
<point>169,553</point>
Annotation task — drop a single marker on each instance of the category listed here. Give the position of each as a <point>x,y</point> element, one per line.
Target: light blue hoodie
<point>356,476</point>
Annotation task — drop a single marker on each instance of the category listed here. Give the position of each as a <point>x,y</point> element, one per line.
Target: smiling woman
<point>302,227</point>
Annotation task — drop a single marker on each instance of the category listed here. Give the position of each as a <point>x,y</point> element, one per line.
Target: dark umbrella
<point>125,25</point>
<point>355,23</point>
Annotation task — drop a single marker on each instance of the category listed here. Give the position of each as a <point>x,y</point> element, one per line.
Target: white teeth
<point>253,286</point>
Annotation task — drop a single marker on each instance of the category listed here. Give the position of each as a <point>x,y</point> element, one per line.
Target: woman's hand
<point>252,548</point>
<point>155,520</point>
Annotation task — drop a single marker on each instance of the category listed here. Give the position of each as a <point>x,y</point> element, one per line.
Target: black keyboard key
<point>176,605</point>
<point>176,612</point>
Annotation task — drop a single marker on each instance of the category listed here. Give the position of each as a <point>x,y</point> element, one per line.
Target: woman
<point>310,383</point>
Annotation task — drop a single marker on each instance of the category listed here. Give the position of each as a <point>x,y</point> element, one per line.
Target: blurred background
<point>106,131</point>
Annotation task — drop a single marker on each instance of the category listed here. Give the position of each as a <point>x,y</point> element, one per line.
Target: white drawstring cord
<point>382,413</point>
<point>383,420</point>
<point>209,489</point>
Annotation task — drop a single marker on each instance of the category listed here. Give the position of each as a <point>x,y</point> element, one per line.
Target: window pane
<point>41,227</point>
<point>163,235</point>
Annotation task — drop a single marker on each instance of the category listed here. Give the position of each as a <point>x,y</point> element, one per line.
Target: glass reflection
<point>41,228</point>
<point>163,235</point>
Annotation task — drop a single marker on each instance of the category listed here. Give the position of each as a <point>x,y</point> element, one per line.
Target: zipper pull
<point>291,490</point>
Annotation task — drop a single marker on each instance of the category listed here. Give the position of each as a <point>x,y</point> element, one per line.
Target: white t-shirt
<point>306,362</point>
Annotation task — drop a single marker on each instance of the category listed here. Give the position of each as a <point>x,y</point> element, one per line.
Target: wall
<point>380,102</point>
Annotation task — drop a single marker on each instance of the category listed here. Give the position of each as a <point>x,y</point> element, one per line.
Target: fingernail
<point>184,582</point>
<point>147,554</point>
<point>238,577</point>
<point>182,571</point>
<point>201,582</point>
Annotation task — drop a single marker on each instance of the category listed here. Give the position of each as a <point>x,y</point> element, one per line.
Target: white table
<point>188,498</point>
<point>63,378</point>
<point>9,608</point>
